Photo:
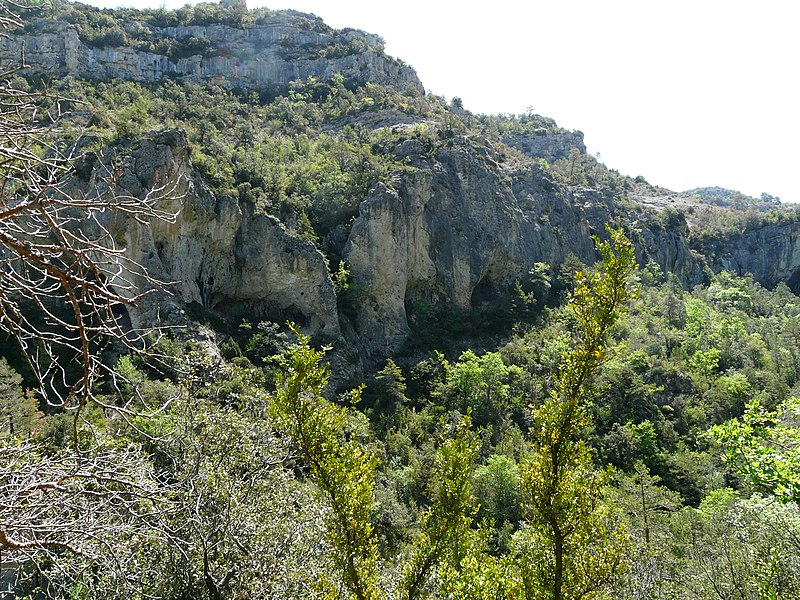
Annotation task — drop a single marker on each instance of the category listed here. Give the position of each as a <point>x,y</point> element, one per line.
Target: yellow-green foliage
<point>342,469</point>
<point>570,548</point>
<point>445,528</point>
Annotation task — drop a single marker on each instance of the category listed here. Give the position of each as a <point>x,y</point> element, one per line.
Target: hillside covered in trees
<point>277,323</point>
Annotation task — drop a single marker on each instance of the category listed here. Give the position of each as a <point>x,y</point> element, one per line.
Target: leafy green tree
<point>626,444</point>
<point>18,411</point>
<point>341,468</point>
<point>445,525</point>
<point>497,490</point>
<point>479,384</point>
<point>387,393</point>
<point>570,547</point>
<point>763,447</point>
<point>481,575</point>
<point>393,383</point>
<point>734,548</point>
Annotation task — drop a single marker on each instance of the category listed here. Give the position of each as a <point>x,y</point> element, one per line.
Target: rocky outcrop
<point>771,254</point>
<point>763,242</point>
<point>214,253</point>
<point>266,55</point>
<point>457,231</point>
<point>666,242</point>
<point>548,144</point>
<point>456,227</point>
<point>454,230</point>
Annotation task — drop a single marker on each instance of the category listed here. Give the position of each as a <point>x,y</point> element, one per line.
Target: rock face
<point>547,144</point>
<point>264,56</point>
<point>452,232</point>
<point>216,254</point>
<point>457,231</point>
<point>766,248</point>
<point>771,254</point>
<point>455,228</point>
<point>668,246</point>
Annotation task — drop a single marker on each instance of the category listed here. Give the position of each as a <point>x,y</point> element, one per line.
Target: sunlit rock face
<point>214,254</point>
<point>267,55</point>
<point>771,254</point>
<point>458,230</point>
<point>548,144</point>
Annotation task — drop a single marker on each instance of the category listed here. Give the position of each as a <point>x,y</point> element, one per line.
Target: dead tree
<point>63,275</point>
<point>64,282</point>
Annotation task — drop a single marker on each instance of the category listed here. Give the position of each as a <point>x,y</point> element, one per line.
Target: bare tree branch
<point>64,275</point>
<point>92,505</point>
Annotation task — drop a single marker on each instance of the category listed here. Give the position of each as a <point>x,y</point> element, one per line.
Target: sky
<point>685,93</point>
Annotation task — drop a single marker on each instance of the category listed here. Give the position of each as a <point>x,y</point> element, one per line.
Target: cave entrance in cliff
<point>794,282</point>
<point>483,295</point>
<point>233,312</point>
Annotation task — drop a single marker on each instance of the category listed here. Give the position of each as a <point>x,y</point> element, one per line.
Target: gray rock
<point>214,254</point>
<point>771,254</point>
<point>262,56</point>
<point>548,144</point>
<point>460,227</point>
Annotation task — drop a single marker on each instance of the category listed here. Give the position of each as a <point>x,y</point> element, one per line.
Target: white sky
<point>687,93</point>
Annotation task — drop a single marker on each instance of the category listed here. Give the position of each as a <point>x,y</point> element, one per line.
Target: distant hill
<point>732,198</point>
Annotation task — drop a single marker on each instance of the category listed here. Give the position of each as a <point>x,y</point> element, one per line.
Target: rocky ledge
<point>265,55</point>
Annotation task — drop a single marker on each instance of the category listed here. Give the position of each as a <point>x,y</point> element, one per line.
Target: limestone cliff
<point>463,227</point>
<point>548,144</point>
<point>770,253</point>
<point>456,229</point>
<point>268,54</point>
<point>759,238</point>
<point>216,253</point>
<point>459,220</point>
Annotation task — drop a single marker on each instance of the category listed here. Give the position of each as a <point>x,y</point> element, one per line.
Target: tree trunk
<point>558,576</point>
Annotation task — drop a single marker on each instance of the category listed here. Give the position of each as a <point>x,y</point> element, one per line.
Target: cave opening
<point>794,282</point>
<point>483,294</point>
